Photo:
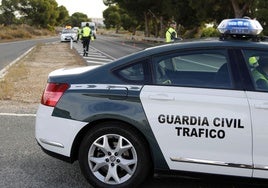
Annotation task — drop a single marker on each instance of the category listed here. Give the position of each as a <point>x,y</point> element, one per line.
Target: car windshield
<point>68,31</point>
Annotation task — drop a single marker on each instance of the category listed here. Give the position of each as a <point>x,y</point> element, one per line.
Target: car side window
<point>197,69</point>
<point>257,63</point>
<point>136,73</point>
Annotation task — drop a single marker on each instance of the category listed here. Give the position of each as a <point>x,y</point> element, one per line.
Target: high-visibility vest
<point>92,37</point>
<point>79,31</point>
<point>169,33</point>
<point>259,76</point>
<point>86,31</point>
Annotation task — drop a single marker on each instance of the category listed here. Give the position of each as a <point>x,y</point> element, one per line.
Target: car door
<point>258,100</point>
<point>200,122</point>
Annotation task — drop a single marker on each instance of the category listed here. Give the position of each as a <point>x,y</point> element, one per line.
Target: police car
<point>68,35</point>
<point>188,107</point>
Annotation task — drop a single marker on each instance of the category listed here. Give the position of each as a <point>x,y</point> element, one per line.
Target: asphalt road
<point>118,47</point>
<point>23,164</point>
<point>10,51</point>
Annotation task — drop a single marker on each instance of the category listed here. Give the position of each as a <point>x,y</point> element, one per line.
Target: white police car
<point>190,106</point>
<point>68,35</point>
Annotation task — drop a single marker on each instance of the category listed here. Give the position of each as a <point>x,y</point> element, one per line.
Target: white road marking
<point>95,56</point>
<point>17,115</point>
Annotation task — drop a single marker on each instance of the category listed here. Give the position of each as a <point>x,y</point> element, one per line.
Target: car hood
<point>68,34</point>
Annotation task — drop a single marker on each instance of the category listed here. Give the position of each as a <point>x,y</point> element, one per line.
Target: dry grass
<point>22,32</point>
<point>22,87</point>
<point>7,85</point>
<point>26,79</point>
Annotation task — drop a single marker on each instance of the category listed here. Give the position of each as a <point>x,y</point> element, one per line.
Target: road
<point>106,49</point>
<point>118,47</point>
<point>24,165</point>
<point>10,51</point>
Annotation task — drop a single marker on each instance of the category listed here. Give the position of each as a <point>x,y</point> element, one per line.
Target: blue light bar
<point>240,26</point>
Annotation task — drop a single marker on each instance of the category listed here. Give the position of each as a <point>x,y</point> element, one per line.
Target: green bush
<point>210,32</point>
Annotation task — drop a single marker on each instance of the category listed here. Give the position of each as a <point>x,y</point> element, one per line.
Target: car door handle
<point>261,106</point>
<point>162,97</point>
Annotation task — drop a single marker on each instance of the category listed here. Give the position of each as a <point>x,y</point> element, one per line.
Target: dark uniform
<point>86,36</point>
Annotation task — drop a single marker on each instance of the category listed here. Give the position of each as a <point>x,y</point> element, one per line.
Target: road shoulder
<point>21,88</point>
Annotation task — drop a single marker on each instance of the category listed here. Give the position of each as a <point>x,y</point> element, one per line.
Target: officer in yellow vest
<point>79,32</point>
<point>86,37</point>
<point>171,33</point>
<point>259,72</point>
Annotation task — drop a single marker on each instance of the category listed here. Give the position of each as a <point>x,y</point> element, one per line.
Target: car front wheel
<point>114,155</point>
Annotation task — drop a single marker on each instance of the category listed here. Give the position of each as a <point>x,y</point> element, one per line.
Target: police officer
<point>79,32</point>
<point>86,36</point>
<point>171,34</point>
<point>259,71</point>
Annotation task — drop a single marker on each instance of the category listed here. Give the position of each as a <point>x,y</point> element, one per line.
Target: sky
<point>92,8</point>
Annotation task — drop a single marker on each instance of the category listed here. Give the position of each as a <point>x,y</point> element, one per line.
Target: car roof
<point>209,42</point>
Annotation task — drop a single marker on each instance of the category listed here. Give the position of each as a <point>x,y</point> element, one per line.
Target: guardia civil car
<point>68,35</point>
<point>189,107</point>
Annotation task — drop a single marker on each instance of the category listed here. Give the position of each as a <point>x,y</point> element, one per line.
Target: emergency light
<point>240,28</point>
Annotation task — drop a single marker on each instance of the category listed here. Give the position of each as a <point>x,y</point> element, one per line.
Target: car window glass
<point>133,73</point>
<point>257,63</point>
<point>198,69</point>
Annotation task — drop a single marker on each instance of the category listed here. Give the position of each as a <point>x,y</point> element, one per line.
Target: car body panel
<point>258,105</point>
<point>84,104</point>
<point>200,124</point>
<point>229,123</point>
<point>51,132</point>
<point>83,101</point>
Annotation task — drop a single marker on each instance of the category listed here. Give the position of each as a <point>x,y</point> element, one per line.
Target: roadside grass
<point>6,89</point>
<point>25,80</point>
<point>15,73</point>
<point>23,31</point>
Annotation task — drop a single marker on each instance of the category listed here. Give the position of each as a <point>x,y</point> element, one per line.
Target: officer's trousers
<point>86,41</point>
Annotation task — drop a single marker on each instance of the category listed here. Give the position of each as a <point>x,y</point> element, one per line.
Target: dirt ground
<point>23,85</point>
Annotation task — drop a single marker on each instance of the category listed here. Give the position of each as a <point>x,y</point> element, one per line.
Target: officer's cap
<point>253,61</point>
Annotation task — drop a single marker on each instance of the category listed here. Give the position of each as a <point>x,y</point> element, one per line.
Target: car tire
<point>114,155</point>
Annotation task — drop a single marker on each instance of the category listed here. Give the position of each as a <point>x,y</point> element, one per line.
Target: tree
<point>63,15</point>
<point>42,13</point>
<point>129,23</point>
<point>76,19</point>
<point>137,10</point>
<point>112,17</point>
<point>241,7</point>
<point>154,15</point>
<point>8,9</point>
<point>259,11</point>
<point>108,2</point>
